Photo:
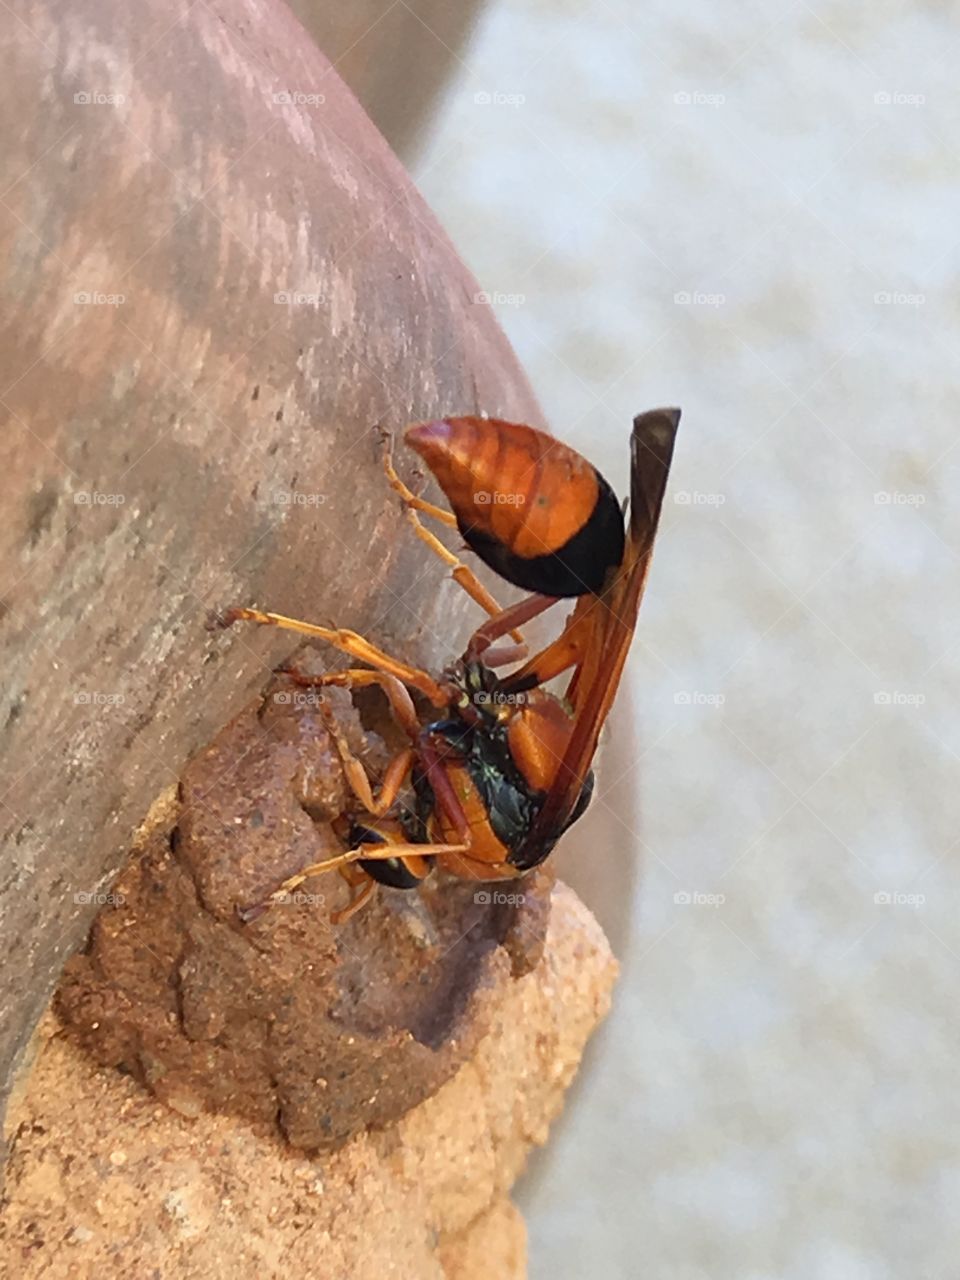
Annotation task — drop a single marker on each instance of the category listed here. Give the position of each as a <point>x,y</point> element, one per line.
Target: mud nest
<point>292,1022</point>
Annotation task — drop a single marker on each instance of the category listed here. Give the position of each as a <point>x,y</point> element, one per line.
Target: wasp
<point>500,767</point>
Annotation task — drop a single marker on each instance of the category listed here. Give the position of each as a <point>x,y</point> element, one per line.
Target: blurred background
<point>750,212</point>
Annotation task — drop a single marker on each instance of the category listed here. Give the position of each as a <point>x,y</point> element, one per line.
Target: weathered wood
<point>216,280</point>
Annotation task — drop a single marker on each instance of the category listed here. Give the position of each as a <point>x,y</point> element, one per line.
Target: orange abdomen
<point>531,507</point>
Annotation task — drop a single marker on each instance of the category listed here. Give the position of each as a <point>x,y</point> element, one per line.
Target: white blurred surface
<point>774,1094</point>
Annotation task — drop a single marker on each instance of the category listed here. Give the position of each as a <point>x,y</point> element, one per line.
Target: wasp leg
<point>401,704</point>
<point>577,646</point>
<point>348,642</point>
<point>355,877</point>
<point>504,655</point>
<point>443,789</point>
<point>366,853</point>
<point>507,621</point>
<point>461,573</point>
<point>314,869</point>
<point>384,852</point>
<point>408,497</point>
<point>356,774</point>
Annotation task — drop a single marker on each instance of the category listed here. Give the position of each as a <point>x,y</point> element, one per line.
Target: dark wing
<point>597,677</point>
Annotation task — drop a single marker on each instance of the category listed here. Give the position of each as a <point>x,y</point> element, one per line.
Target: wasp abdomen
<point>533,509</point>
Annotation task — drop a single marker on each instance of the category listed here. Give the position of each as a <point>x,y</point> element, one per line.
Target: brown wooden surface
<point>149,162</point>
<point>395,57</point>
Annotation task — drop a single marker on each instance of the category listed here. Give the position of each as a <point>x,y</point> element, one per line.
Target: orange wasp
<point>505,767</point>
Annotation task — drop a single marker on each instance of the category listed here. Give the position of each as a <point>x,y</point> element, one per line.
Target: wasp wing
<point>611,617</point>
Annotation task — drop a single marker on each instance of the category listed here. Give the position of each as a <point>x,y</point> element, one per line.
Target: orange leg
<point>375,805</point>
<point>356,774</point>
<point>401,704</point>
<point>367,853</point>
<point>356,877</point>
<point>407,496</point>
<point>576,646</point>
<point>503,655</point>
<point>348,642</point>
<point>506,621</point>
<point>461,574</point>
